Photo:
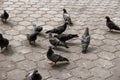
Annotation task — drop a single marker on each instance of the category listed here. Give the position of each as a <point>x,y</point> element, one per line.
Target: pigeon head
<point>66,23</point>
<point>1,36</point>
<point>87,28</point>
<point>50,34</point>
<point>64,10</point>
<point>56,36</point>
<point>50,51</point>
<point>34,76</point>
<point>86,31</point>
<point>34,25</point>
<point>50,47</point>
<point>107,17</point>
<point>35,71</point>
<point>4,11</point>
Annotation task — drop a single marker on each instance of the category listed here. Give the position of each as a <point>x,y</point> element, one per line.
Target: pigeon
<point>3,43</point>
<point>56,42</point>
<point>65,37</point>
<point>85,40</point>
<point>55,57</point>
<point>37,29</point>
<point>58,30</point>
<point>33,76</point>
<point>32,37</point>
<point>66,17</point>
<point>111,25</point>
<point>4,16</point>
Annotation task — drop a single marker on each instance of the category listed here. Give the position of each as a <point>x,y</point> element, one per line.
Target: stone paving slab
<point>102,61</point>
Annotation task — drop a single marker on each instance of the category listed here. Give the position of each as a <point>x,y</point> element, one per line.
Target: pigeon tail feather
<point>48,32</point>
<point>63,59</point>
<point>117,28</point>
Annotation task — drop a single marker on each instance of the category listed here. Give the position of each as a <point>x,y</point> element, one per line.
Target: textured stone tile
<point>100,73</point>
<point>24,23</point>
<point>3,74</point>
<point>81,73</point>
<point>52,79</point>
<point>117,54</point>
<point>97,36</point>
<point>106,55</point>
<point>94,78</point>
<point>108,48</point>
<point>104,63</point>
<point>112,36</point>
<point>85,64</point>
<point>110,42</point>
<point>74,78</point>
<point>113,78</point>
<point>16,74</point>
<point>17,57</point>
<point>20,37</point>
<point>26,65</point>
<point>96,42</point>
<point>60,74</point>
<point>34,56</point>
<point>7,65</point>
<point>23,50</point>
<point>89,56</point>
<point>12,32</point>
<point>2,57</point>
<point>15,43</point>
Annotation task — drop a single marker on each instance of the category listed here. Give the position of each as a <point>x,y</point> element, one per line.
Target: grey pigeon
<point>32,37</point>
<point>56,42</point>
<point>55,57</point>
<point>58,30</point>
<point>66,17</point>
<point>4,16</point>
<point>65,37</point>
<point>3,42</point>
<point>85,40</point>
<point>37,29</point>
<point>33,76</point>
<point>111,25</point>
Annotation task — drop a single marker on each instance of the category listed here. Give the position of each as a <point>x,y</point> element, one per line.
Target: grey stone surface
<point>102,62</point>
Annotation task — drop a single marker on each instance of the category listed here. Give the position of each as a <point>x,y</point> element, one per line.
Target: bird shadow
<point>34,45</point>
<point>42,35</point>
<point>72,44</point>
<point>9,51</point>
<point>8,24</point>
<point>60,65</point>
<point>37,46</point>
<point>91,49</point>
<point>60,49</point>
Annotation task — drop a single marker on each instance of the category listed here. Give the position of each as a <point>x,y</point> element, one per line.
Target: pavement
<point>102,62</point>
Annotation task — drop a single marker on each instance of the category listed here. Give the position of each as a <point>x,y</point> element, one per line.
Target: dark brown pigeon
<point>4,16</point>
<point>3,43</point>
<point>58,30</point>
<point>66,37</point>
<point>111,25</point>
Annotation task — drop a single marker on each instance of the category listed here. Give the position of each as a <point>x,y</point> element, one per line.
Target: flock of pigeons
<point>59,39</point>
